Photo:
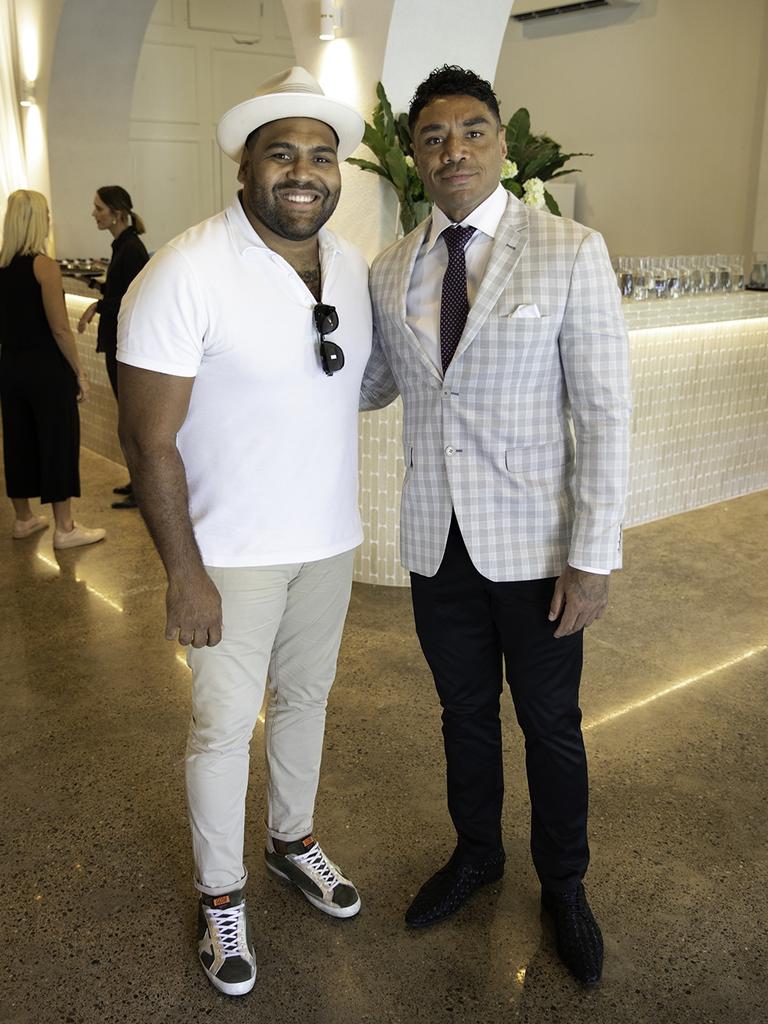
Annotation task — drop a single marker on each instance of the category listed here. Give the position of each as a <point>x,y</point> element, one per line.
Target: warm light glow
<point>34,137</point>
<point>78,579</point>
<point>79,302</point>
<point>29,51</point>
<point>101,596</point>
<point>756,324</point>
<point>520,976</point>
<point>337,73</point>
<point>681,684</point>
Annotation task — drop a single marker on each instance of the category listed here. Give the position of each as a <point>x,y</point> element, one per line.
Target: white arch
<point>89,105</point>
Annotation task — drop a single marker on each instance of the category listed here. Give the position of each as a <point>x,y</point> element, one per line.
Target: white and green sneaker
<point>224,944</point>
<point>318,878</point>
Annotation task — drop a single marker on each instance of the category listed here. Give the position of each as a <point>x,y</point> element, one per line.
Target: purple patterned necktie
<point>454,304</point>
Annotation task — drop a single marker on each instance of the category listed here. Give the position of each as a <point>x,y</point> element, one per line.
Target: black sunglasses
<point>326,321</point>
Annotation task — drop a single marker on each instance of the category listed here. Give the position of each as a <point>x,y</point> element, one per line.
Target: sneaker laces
<point>227,923</point>
<point>317,861</point>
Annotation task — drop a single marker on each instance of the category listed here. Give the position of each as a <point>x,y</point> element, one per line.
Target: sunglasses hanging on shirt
<point>326,321</point>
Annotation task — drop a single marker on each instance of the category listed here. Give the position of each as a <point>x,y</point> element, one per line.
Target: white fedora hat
<point>292,93</point>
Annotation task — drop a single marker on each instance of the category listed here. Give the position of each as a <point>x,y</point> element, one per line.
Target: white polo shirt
<point>269,444</point>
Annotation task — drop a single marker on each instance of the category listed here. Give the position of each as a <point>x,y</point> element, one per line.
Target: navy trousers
<point>473,631</point>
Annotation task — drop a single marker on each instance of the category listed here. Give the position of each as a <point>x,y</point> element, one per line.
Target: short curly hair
<point>451,80</point>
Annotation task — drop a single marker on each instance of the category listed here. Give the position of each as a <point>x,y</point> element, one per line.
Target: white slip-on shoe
<point>315,876</point>
<point>224,946</point>
<point>26,527</point>
<point>78,536</point>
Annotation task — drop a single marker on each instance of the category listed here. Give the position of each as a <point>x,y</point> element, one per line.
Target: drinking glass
<point>737,272</point>
<point>659,277</point>
<point>712,278</point>
<point>673,277</point>
<point>686,279</point>
<point>724,266</point>
<point>697,274</point>
<point>624,276</point>
<point>641,276</point>
<point>758,277</point>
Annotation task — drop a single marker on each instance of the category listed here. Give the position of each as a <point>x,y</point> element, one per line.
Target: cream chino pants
<point>282,628</point>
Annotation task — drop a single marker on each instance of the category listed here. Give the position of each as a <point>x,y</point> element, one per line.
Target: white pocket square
<point>529,310</point>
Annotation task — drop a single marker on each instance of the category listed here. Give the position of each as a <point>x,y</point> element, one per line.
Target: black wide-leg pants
<point>469,627</point>
<point>41,426</point>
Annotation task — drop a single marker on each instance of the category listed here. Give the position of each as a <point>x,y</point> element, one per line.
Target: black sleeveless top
<point>23,323</point>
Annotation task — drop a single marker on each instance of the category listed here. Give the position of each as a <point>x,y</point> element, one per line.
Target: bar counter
<point>700,395</point>
<point>98,415</point>
<point>699,423</point>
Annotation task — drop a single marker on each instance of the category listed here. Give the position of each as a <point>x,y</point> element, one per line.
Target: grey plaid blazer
<point>527,436</point>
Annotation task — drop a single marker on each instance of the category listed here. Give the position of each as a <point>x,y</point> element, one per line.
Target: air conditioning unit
<point>528,10</point>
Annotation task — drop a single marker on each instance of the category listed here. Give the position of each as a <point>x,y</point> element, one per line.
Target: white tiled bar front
<point>98,415</point>
<point>700,391</point>
<point>699,425</point>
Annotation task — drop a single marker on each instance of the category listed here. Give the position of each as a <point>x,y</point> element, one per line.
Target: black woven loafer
<point>127,502</point>
<point>450,887</point>
<point>577,933</point>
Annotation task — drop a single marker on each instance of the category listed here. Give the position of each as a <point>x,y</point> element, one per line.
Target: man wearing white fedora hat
<point>248,484</point>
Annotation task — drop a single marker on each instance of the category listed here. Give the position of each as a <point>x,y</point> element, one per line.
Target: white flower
<point>409,162</point>
<point>534,193</point>
<point>508,169</point>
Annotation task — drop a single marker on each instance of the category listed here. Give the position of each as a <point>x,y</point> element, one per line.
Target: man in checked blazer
<point>515,437</point>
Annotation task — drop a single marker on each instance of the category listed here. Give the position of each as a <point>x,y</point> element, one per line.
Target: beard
<point>298,225</point>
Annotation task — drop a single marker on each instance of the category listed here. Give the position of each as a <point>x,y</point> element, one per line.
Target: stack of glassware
<point>758,279</point>
<point>641,278</point>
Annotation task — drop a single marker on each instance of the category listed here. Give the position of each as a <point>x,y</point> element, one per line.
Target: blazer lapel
<point>403,271</point>
<point>508,246</point>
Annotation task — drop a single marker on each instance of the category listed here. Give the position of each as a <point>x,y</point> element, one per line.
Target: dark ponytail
<point>118,200</point>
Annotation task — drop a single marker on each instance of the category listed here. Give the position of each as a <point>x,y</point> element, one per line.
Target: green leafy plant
<point>531,160</point>
<point>389,139</point>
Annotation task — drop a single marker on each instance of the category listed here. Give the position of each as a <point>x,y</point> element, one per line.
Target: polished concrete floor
<point>98,911</point>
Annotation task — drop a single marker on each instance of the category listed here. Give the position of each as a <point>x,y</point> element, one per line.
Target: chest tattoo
<point>311,278</point>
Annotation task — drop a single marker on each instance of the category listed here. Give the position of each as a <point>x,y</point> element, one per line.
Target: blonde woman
<point>41,378</point>
<point>113,212</point>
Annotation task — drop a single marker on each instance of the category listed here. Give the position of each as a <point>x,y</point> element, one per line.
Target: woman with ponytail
<point>113,211</point>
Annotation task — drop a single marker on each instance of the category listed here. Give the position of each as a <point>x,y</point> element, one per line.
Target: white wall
<point>669,97</point>
<point>760,236</point>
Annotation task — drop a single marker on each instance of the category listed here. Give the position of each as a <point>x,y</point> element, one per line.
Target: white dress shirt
<point>425,290</point>
<point>422,302</point>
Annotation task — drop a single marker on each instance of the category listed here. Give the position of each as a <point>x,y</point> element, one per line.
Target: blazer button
<point>450,451</point>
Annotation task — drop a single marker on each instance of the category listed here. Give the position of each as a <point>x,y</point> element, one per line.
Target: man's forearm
<point>160,485</point>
